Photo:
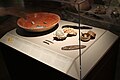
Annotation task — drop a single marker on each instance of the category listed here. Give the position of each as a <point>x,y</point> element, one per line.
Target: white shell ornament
<point>59,35</point>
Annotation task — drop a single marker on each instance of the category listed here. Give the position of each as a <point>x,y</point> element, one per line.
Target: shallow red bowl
<point>39,22</point>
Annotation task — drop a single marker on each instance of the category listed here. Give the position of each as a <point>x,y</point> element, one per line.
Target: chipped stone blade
<point>73,47</point>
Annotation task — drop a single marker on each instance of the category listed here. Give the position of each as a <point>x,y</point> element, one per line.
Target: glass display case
<point>70,36</point>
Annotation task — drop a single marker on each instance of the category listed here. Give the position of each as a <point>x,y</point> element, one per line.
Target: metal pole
<point>79,42</point>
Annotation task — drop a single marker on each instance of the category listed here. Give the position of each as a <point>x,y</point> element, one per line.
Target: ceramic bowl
<point>39,22</point>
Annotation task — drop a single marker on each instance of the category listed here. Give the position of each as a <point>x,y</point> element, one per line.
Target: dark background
<point>20,69</point>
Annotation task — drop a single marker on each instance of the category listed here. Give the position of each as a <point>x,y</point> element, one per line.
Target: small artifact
<point>92,15</point>
<point>92,34</point>
<point>60,35</point>
<point>84,4</point>
<point>76,27</point>
<point>49,41</point>
<point>100,10</point>
<point>46,42</point>
<point>70,32</point>
<point>71,26</point>
<point>85,37</point>
<point>85,27</point>
<point>73,47</point>
<point>115,13</point>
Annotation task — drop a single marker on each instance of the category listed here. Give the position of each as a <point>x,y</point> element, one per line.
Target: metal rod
<point>79,42</point>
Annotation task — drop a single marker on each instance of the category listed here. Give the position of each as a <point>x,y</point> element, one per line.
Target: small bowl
<point>85,37</point>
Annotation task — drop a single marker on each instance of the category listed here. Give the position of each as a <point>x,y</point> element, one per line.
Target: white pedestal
<point>64,61</point>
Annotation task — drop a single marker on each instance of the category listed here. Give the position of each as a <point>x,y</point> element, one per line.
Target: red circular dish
<point>38,22</point>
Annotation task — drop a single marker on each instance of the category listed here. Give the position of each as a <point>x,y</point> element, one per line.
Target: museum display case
<point>69,37</point>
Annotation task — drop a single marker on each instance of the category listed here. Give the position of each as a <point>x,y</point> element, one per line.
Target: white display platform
<point>64,61</point>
